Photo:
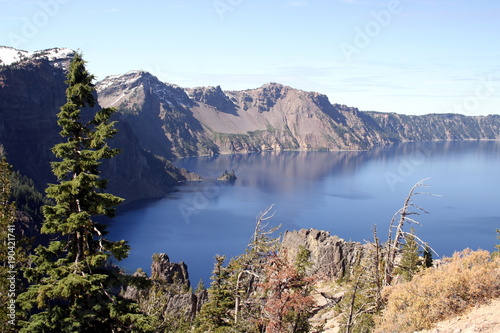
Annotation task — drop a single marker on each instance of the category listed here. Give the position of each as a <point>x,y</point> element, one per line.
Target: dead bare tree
<point>260,243</point>
<point>375,268</point>
<point>393,244</point>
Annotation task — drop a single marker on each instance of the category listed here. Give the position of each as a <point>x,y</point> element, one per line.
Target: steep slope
<point>32,89</point>
<point>437,127</point>
<point>172,121</point>
<point>273,117</point>
<point>158,113</point>
<point>207,120</point>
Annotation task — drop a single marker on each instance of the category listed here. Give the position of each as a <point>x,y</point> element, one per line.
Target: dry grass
<point>465,280</point>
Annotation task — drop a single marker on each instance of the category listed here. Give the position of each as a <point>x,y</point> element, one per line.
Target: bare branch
<point>423,244</point>
<point>251,273</point>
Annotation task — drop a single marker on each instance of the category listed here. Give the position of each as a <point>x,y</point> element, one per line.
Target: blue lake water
<point>345,193</point>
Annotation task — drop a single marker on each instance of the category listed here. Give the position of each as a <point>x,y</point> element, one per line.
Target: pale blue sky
<point>413,57</point>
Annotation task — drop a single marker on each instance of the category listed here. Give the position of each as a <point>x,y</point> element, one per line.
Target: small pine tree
<point>200,287</point>
<point>363,300</point>
<point>302,263</point>
<point>410,260</point>
<point>357,304</point>
<point>73,286</point>
<point>428,261</point>
<point>215,315</point>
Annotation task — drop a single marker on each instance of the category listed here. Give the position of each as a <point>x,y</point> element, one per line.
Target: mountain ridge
<point>271,117</point>
<point>278,117</point>
<point>160,121</point>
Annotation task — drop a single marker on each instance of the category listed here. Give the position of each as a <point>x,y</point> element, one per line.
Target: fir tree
<point>247,273</point>
<point>410,260</point>
<point>427,257</point>
<point>73,286</point>
<point>302,263</point>
<point>215,315</point>
<point>200,287</point>
<point>235,303</point>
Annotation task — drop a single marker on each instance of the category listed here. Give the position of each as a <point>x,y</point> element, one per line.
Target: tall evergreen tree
<point>73,285</point>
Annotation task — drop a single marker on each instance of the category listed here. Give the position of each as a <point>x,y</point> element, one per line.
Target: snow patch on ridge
<point>167,93</point>
<point>10,55</point>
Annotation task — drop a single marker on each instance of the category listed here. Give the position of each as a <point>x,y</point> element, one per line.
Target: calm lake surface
<point>345,193</point>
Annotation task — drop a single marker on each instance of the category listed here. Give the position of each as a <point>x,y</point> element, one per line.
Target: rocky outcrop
<point>167,293</point>
<point>213,96</point>
<point>228,176</point>
<point>164,270</point>
<point>331,256</point>
<point>188,175</point>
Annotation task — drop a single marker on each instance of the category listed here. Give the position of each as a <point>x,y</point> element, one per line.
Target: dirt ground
<point>485,319</point>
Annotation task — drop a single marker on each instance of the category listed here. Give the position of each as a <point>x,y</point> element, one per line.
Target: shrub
<point>465,280</point>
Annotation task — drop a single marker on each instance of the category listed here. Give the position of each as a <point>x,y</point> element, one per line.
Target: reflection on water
<point>343,192</point>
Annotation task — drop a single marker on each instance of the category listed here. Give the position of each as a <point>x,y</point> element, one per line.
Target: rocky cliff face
<point>158,113</point>
<point>436,127</point>
<point>172,121</point>
<point>277,117</point>
<point>170,272</point>
<point>168,294</point>
<point>32,89</point>
<point>332,257</point>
